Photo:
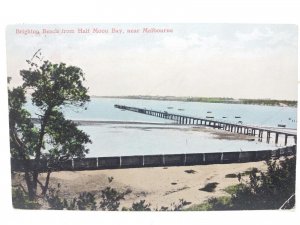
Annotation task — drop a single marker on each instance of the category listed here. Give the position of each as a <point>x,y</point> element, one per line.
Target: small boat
<point>210,117</point>
<point>281,125</point>
<point>209,112</point>
<point>181,109</point>
<point>237,117</point>
<point>170,107</point>
<point>224,117</point>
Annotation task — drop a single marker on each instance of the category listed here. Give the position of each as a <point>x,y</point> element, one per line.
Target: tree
<point>52,88</point>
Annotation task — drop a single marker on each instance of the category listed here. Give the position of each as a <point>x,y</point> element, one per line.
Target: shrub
<point>221,203</point>
<point>210,187</point>
<point>138,206</point>
<point>86,201</point>
<point>264,190</point>
<point>268,190</point>
<point>231,175</point>
<point>20,200</point>
<point>110,199</point>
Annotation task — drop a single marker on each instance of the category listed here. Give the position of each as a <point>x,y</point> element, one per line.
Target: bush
<point>86,201</point>
<point>268,190</point>
<point>54,201</point>
<point>138,206</point>
<point>233,188</point>
<point>221,203</point>
<point>264,190</point>
<point>231,175</point>
<point>110,199</point>
<point>20,200</point>
<point>210,187</point>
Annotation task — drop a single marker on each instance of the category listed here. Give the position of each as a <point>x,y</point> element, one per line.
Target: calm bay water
<point>139,139</point>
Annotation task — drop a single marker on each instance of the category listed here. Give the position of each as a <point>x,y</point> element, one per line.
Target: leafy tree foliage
<point>52,87</point>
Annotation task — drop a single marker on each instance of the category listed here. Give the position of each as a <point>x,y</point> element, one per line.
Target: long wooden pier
<point>227,126</point>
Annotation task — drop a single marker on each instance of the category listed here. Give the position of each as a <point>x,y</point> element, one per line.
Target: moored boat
<point>281,125</point>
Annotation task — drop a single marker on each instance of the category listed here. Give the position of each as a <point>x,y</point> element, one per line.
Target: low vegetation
<point>21,200</point>
<point>212,204</point>
<point>190,171</point>
<point>264,190</point>
<point>233,188</point>
<point>110,200</point>
<point>231,175</point>
<point>210,187</point>
<point>245,173</point>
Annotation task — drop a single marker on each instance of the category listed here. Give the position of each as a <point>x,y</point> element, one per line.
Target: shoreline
<point>261,102</point>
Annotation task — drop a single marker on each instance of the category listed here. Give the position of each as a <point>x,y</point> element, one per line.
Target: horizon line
<point>186,97</point>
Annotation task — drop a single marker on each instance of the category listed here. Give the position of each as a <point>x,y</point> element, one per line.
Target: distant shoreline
<point>265,102</point>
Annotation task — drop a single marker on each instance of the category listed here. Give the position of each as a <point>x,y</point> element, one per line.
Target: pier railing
<point>140,161</point>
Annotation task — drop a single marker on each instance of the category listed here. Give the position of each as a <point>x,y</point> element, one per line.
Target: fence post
<point>143,160</point>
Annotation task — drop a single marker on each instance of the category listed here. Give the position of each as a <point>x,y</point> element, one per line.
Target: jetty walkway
<point>261,132</point>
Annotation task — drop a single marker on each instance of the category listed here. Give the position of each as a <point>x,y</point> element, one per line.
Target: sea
<point>124,133</point>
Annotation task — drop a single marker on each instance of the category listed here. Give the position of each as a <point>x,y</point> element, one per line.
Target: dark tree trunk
<point>31,192</point>
<point>45,188</point>
<point>26,163</point>
<point>39,147</point>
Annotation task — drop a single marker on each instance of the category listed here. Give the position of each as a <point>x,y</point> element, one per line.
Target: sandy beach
<point>160,186</point>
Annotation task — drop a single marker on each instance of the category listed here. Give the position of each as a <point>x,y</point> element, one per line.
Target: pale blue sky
<point>224,60</point>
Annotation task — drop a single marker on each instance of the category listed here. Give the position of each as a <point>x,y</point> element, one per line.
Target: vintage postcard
<point>152,117</point>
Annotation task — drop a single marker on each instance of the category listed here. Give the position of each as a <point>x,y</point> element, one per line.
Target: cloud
<point>267,36</point>
<point>179,43</point>
<point>254,35</point>
<point>192,41</point>
<point>94,40</point>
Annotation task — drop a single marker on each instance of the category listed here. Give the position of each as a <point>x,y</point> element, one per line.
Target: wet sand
<point>214,133</point>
